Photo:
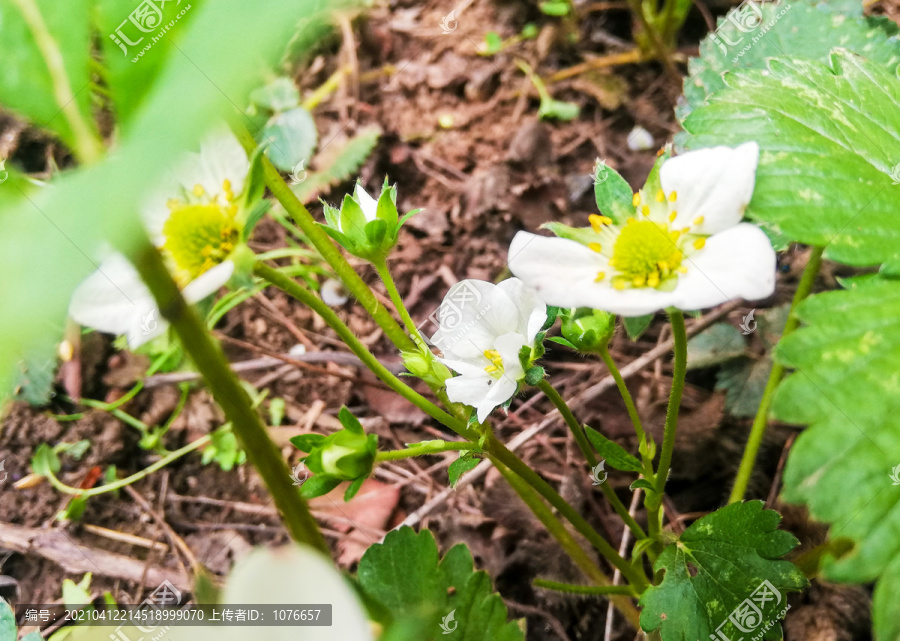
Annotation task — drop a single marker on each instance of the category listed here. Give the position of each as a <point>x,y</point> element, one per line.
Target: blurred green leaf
<point>292,136</point>
<point>465,463</point>
<point>715,345</point>
<point>279,95</point>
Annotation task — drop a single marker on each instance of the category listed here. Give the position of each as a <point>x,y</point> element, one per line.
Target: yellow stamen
<point>660,196</point>
<point>600,277</point>
<point>636,199</point>
<point>699,243</point>
<point>597,222</point>
<point>198,190</point>
<point>672,216</point>
<point>645,210</point>
<point>673,196</point>
<point>619,284</point>
<point>653,280</point>
<point>638,281</point>
<point>595,247</point>
<point>699,220</point>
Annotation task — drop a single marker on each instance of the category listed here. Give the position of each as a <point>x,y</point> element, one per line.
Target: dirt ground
<point>462,140</point>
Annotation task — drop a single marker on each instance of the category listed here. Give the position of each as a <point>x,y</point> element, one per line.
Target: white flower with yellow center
<point>195,220</point>
<point>483,328</point>
<point>684,247</point>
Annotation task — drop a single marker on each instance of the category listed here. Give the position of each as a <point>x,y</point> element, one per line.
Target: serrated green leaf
<point>615,454</point>
<point>338,164</point>
<point>26,85</point>
<point>719,563</point>
<point>801,28</point>
<point>460,466</point>
<point>744,382</point>
<point>715,345</point>
<point>292,136</point>
<point>825,170</point>
<point>281,94</point>
<point>406,575</point>
<point>844,465</point>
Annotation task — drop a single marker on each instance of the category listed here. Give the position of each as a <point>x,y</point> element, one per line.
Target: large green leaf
<point>7,622</point>
<point>723,570</point>
<point>846,388</point>
<point>50,241</point>
<point>754,32</point>
<point>406,575</point>
<point>26,85</point>
<point>829,140</point>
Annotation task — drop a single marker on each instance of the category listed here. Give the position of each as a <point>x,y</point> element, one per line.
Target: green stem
<point>137,476</point>
<point>332,255</point>
<point>87,147</point>
<point>586,449</point>
<point>385,274</point>
<point>571,588</point>
<point>499,453</point>
<point>654,502</point>
<point>607,359</point>
<point>423,449</point>
<point>760,421</point>
<point>305,296</point>
<point>570,545</point>
<point>230,396</point>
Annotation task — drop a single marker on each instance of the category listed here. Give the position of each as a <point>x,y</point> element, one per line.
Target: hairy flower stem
<point>607,359</point>
<point>305,296</point>
<point>586,449</point>
<point>231,397</point>
<point>570,588</point>
<point>760,421</point>
<point>422,449</point>
<point>498,452</point>
<point>617,594</point>
<point>653,500</point>
<point>332,255</point>
<point>385,274</point>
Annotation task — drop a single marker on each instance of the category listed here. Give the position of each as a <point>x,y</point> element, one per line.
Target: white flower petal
<point>368,204</point>
<point>110,299</point>
<point>736,263</point>
<point>469,390</point>
<point>208,282</point>
<point>716,183</point>
<point>465,368</point>
<point>633,302</point>
<point>509,346</point>
<point>221,156</point>
<point>501,390</point>
<point>560,270</point>
<point>532,310</point>
<point>472,315</point>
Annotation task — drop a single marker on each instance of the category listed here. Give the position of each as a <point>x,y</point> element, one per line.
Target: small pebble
<point>333,293</point>
<point>640,139</point>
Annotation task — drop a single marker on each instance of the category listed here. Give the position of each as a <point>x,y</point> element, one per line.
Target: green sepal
<point>552,314</point>
<point>534,375</point>
<point>255,183</point>
<point>254,215</point>
<point>306,442</point>
<point>387,207</point>
<point>350,422</point>
<point>318,485</point>
<point>354,488</point>
<point>613,195</point>
<point>562,341</point>
<point>583,235</point>
<point>643,484</point>
<point>407,216</point>
<point>353,220</point>
<point>375,231</point>
<point>635,326</point>
<point>465,463</point>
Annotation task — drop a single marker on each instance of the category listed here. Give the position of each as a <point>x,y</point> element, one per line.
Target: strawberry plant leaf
<point>754,32</point>
<point>843,466</point>
<point>724,574</point>
<point>828,166</point>
<point>406,575</point>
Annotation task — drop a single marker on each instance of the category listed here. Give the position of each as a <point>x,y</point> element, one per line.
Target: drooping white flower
<point>483,327</point>
<point>685,246</point>
<point>194,218</point>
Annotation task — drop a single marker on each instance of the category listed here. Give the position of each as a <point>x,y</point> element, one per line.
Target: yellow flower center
<point>646,253</point>
<point>200,236</point>
<point>495,369</point>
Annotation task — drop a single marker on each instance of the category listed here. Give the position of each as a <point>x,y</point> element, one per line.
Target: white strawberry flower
<point>685,246</point>
<point>483,328</point>
<point>194,219</point>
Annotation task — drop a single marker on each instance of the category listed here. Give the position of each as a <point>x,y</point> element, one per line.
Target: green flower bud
<point>588,330</point>
<point>366,227</point>
<point>346,455</point>
<point>425,365</point>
